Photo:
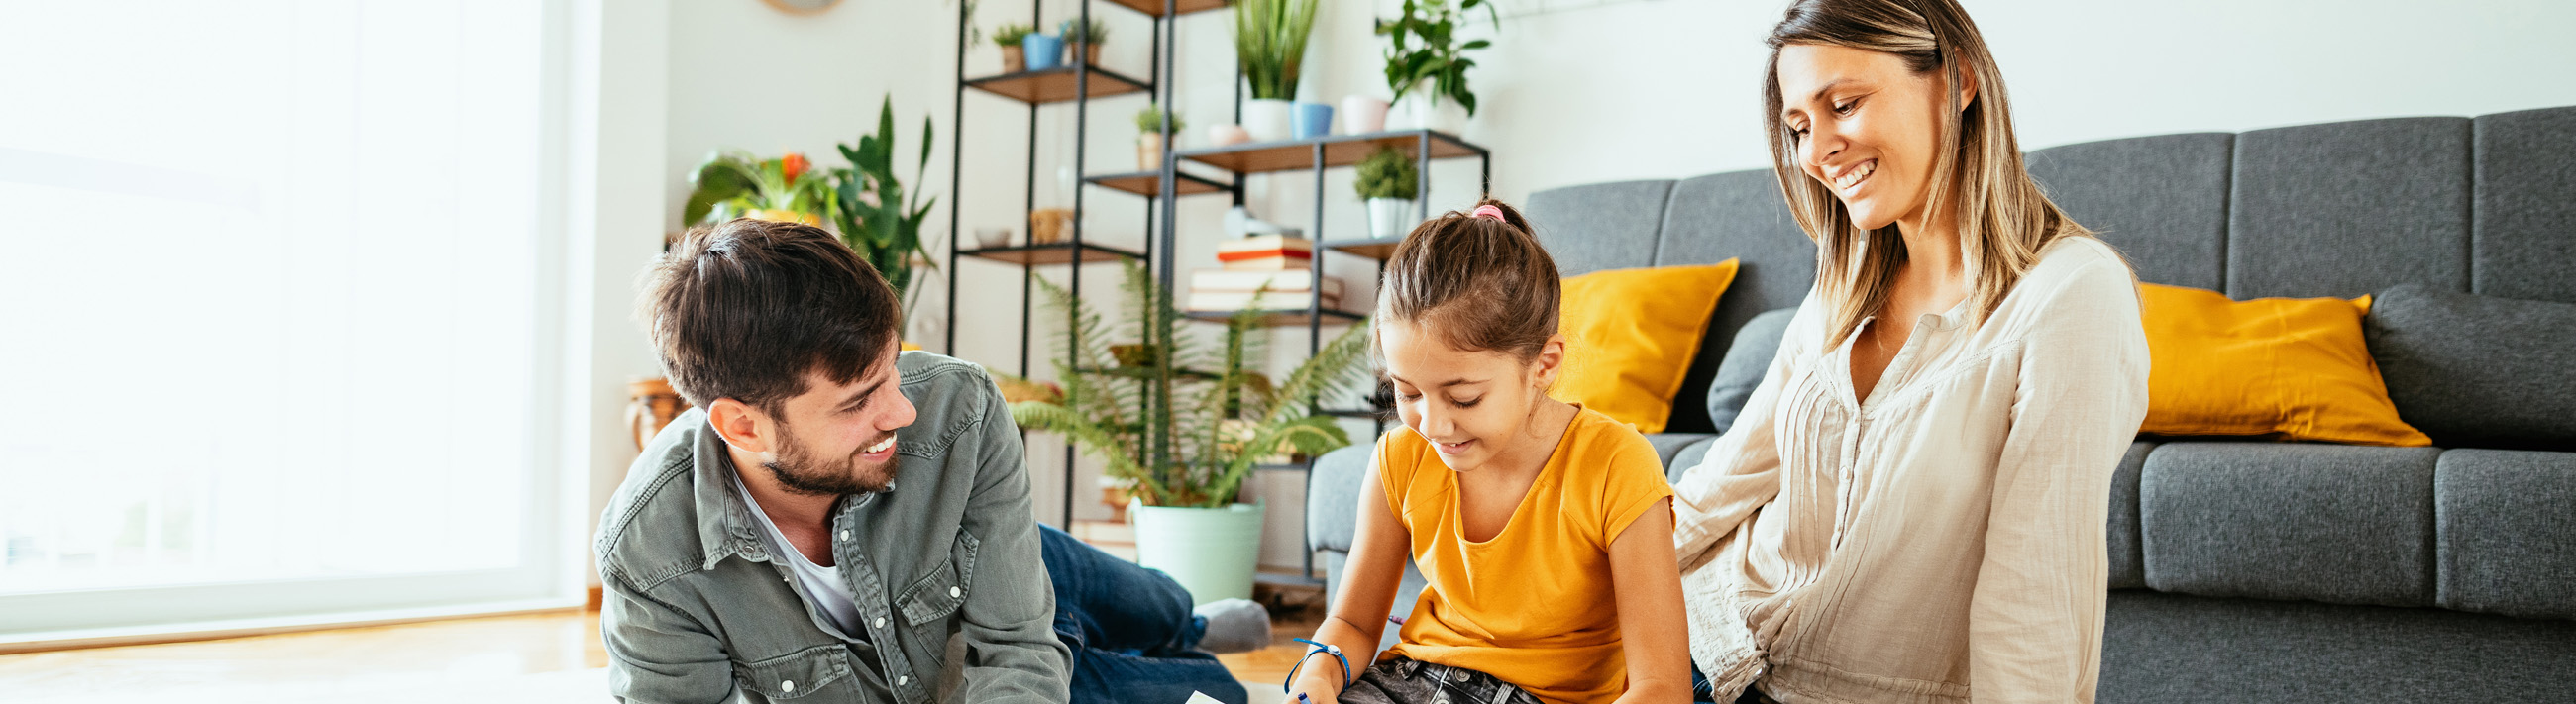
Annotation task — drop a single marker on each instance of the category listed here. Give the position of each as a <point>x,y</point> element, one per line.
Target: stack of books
<point>1276,268</point>
<point>1266,253</point>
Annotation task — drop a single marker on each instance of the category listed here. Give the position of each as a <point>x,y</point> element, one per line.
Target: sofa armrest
<point>1333,497</point>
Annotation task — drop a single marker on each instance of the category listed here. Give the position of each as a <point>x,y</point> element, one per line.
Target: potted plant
<point>877,219</point>
<point>1008,36</point>
<point>1151,139</point>
<point>1043,51</point>
<point>733,183</point>
<point>1269,45</point>
<point>1186,427</point>
<point>1426,64</point>
<point>1085,39</point>
<point>1387,180</point>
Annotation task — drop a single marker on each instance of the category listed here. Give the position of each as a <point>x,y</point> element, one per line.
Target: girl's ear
<point>1550,362</point>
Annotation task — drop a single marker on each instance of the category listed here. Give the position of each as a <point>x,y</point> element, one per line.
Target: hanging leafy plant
<point>1423,52</point>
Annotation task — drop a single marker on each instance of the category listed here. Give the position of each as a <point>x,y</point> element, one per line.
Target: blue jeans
<point>1130,628</point>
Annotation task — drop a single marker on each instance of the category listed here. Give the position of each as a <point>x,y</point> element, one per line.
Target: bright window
<point>270,330</point>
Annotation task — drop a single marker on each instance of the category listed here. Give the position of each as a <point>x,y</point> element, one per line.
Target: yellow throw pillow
<point>2295,368</point>
<point>1630,335</point>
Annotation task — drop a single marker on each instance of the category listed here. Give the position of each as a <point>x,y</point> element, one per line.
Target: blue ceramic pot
<point>1044,51</point>
<point>1310,120</point>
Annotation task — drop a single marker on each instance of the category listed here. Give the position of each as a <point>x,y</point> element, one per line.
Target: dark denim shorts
<point>1404,680</point>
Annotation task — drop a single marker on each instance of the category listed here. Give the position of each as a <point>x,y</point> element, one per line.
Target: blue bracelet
<point>1290,684</point>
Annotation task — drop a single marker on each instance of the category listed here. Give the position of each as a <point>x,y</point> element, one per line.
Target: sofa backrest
<point>2482,205</point>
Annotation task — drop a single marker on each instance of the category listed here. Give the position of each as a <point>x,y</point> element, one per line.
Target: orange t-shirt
<point>1534,606</point>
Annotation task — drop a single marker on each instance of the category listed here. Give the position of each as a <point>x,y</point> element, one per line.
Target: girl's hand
<point>1312,697</point>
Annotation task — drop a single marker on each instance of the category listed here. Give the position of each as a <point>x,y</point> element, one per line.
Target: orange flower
<point>793,165</point>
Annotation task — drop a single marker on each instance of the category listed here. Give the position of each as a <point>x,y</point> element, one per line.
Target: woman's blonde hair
<point>1977,181</point>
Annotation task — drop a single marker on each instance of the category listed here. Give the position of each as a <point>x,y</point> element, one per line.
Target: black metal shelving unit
<point>1315,155</point>
<point>1076,83</point>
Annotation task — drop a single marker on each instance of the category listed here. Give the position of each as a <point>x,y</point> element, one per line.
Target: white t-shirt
<point>822,584</point>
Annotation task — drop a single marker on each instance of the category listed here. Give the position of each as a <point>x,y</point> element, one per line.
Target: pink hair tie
<point>1489,211</point>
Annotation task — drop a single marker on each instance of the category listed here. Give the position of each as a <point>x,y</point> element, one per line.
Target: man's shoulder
<point>651,521</point>
<point>921,369</point>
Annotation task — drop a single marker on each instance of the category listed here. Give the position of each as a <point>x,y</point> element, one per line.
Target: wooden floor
<point>548,658</point>
<point>553,657</point>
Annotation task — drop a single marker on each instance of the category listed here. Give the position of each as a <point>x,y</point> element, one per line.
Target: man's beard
<point>806,474</point>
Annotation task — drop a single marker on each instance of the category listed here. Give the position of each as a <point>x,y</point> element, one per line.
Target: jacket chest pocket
<point>797,674</point>
<point>936,595</point>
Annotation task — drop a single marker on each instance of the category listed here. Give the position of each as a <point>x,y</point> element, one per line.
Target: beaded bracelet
<point>1290,684</point>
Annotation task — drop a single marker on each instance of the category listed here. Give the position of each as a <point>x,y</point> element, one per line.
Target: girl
<point>1543,528</point>
<point>1911,508</point>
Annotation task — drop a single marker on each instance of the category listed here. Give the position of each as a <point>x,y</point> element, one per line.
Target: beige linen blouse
<point>1943,541</point>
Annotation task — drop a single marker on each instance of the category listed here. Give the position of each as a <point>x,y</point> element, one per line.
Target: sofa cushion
<point>2348,208</point>
<point>1738,215</point>
<point>2128,562</point>
<point>1744,365</point>
<point>2506,527</point>
<point>2294,368</point>
<point>2174,649</point>
<point>2524,245</point>
<point>1600,226</point>
<point>2333,523</point>
<point>2478,371</point>
<point>1631,334</point>
<point>2161,200</point>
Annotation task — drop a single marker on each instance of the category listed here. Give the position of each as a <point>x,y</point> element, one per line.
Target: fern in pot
<point>1270,46</point>
<point>1186,424</point>
<point>1389,182</point>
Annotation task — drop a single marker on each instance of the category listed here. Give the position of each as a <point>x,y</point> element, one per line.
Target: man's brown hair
<point>743,309</point>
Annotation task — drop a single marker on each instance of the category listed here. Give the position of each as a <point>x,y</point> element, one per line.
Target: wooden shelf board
<point>1378,249</point>
<point>1055,85</point>
<point>1154,8</point>
<point>1281,318</point>
<point>1150,184</point>
<point>1363,413</point>
<point>1339,150</point>
<point>1049,254</point>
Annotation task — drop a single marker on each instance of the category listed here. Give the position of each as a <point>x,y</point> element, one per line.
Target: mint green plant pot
<point>1210,551</point>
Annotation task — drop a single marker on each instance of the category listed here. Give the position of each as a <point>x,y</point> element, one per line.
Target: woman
<point>1912,508</point>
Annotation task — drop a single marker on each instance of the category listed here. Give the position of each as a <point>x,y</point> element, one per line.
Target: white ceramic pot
<point>1421,110</point>
<point>1362,114</point>
<point>1389,216</point>
<point>1210,551</point>
<point>1266,119</point>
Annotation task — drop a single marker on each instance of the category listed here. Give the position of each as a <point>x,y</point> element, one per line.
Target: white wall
<point>1661,88</point>
<point>1575,91</point>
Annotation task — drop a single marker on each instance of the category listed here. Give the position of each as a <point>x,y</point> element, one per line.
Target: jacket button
<point>954,592</point>
<point>845,535</point>
<point>787,686</point>
<point>902,680</point>
<point>880,621</point>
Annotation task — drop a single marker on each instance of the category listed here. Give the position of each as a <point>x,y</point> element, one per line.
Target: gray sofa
<point>2254,571</point>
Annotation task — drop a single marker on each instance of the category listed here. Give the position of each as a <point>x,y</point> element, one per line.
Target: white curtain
<point>269,293</point>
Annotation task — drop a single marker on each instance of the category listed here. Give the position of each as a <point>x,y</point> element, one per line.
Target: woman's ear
<point>1549,362</point>
<point>1967,89</point>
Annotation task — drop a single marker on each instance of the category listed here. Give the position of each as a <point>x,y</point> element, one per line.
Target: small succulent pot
<point>1014,59</point>
<point>1090,53</point>
<point>1149,151</point>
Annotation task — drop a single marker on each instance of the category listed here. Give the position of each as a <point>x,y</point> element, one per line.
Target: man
<point>840,522</point>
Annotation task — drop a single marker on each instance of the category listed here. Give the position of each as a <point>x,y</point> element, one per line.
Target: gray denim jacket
<point>952,595</point>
